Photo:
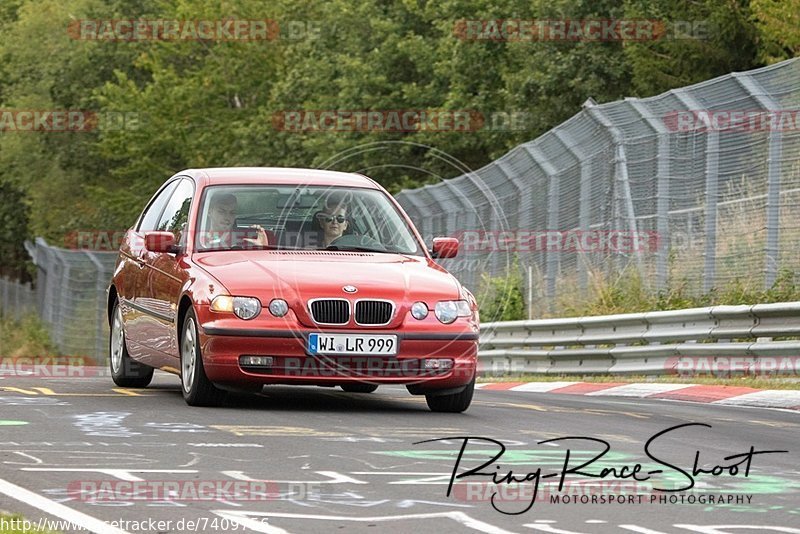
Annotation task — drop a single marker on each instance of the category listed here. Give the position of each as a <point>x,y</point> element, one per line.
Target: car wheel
<point>453,403</point>
<point>359,387</point>
<point>125,371</point>
<point>197,388</point>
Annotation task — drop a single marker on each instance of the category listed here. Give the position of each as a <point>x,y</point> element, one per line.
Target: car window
<point>176,213</point>
<point>289,215</point>
<point>151,214</point>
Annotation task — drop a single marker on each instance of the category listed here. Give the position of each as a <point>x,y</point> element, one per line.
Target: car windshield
<point>300,217</point>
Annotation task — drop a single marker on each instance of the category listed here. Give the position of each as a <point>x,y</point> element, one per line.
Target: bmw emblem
<point>350,289</point>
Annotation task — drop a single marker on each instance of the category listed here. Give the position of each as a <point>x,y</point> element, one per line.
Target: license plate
<point>319,343</point>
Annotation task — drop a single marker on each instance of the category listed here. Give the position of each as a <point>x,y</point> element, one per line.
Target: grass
<point>6,521</point>
<point>24,338</point>
<point>756,382</point>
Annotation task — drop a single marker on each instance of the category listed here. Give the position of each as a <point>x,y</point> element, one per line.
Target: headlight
<point>278,307</point>
<point>448,310</point>
<point>243,307</point>
<point>246,307</point>
<point>419,310</point>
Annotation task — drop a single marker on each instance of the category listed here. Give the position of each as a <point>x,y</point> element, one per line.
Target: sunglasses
<point>329,219</point>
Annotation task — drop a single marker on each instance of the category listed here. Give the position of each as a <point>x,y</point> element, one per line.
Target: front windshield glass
<point>296,217</point>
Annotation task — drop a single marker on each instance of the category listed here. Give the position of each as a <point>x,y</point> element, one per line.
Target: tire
<point>196,387</point>
<point>359,387</point>
<point>454,403</point>
<point>125,371</point>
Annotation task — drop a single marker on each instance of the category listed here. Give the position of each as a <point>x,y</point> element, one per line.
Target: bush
<point>25,338</point>
<point>500,298</point>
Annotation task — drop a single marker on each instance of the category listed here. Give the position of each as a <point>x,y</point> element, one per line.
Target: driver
<point>333,220</point>
<point>221,220</point>
<point>221,231</point>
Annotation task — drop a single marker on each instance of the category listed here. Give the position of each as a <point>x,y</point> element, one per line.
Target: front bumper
<point>292,364</point>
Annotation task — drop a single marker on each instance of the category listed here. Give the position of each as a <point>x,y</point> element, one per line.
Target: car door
<point>135,317</point>
<point>166,271</point>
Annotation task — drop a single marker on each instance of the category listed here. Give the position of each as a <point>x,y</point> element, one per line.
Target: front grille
<point>373,312</point>
<point>330,311</point>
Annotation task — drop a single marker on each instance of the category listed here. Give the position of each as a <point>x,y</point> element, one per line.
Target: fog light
<point>278,307</point>
<point>419,310</point>
<point>438,364</point>
<point>255,361</point>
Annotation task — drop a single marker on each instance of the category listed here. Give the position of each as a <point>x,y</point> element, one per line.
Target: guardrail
<point>738,339</point>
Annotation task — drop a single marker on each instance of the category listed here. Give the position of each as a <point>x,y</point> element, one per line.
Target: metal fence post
<point>504,226</point>
<point>774,155</point>
<point>585,196</point>
<point>18,312</point>
<point>62,308</point>
<point>662,188</point>
<point>553,257</point>
<point>464,273</point>
<point>620,173</point>
<point>712,188</point>
<point>4,307</point>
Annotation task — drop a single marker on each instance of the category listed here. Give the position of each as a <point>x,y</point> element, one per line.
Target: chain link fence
<point>706,179</point>
<point>70,297</point>
<point>16,299</point>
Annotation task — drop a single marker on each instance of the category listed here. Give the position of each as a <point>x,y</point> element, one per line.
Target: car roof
<point>276,176</point>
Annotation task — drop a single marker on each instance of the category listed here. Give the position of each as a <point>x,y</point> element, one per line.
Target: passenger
<point>332,221</point>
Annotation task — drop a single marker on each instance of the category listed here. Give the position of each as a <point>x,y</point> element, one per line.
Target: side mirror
<point>445,247</point>
<point>160,242</point>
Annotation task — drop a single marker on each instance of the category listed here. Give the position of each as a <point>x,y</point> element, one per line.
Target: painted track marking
<point>85,521</point>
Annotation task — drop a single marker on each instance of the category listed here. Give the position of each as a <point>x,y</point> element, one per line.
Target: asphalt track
<point>310,459</point>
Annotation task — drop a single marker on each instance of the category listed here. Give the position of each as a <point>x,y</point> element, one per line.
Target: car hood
<point>298,276</point>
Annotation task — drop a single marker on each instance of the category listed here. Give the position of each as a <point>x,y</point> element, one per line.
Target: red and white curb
<point>724,395</point>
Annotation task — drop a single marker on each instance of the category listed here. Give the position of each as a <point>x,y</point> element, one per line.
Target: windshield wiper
<point>251,247</point>
<point>356,248</point>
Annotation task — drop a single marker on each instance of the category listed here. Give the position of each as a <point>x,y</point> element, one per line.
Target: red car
<point>234,278</point>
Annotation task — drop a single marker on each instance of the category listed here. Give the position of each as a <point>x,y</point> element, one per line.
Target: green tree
<point>704,39</point>
<point>778,22</point>
<point>14,219</point>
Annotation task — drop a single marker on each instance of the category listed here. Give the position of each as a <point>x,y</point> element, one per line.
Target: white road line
<point>75,517</point>
<point>770,398</point>
<point>639,390</point>
<point>718,529</point>
<point>122,474</point>
<point>542,387</point>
